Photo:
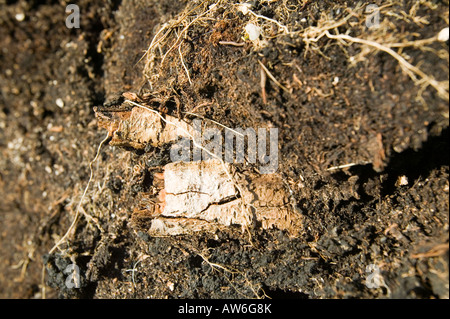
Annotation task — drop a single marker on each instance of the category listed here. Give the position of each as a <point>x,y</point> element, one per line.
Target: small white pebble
<point>335,80</point>
<point>58,169</point>
<point>48,169</point>
<point>443,35</point>
<point>70,45</point>
<point>253,31</point>
<point>20,16</point>
<point>303,20</point>
<point>59,102</point>
<point>121,37</point>
<point>402,180</point>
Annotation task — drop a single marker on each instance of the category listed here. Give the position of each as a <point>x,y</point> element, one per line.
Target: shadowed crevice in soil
<point>373,186</point>
<point>415,164</point>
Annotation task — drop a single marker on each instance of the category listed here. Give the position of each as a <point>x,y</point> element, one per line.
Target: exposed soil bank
<point>362,147</point>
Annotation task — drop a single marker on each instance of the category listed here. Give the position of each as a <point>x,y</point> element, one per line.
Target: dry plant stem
<point>201,105</point>
<point>181,34</point>
<point>263,84</point>
<point>414,44</point>
<point>90,218</point>
<point>167,26</point>
<point>232,43</point>
<point>314,34</point>
<point>410,69</point>
<point>273,78</point>
<point>184,65</point>
<point>77,211</point>
<point>310,33</point>
<point>285,29</point>
<point>152,44</point>
<point>215,122</point>
<point>347,165</point>
<point>437,250</point>
<point>133,270</point>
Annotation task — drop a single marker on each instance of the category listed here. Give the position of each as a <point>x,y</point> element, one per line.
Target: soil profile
<point>357,208</point>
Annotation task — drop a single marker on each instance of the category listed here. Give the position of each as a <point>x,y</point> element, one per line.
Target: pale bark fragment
<point>202,196</point>
<point>140,127</point>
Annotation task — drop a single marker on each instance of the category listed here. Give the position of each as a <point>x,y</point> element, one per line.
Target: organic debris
<point>197,195</point>
<point>200,196</point>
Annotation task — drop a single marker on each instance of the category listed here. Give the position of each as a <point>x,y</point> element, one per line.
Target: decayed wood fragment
<point>201,196</point>
<point>271,200</point>
<point>196,196</point>
<point>139,127</point>
<point>192,187</point>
